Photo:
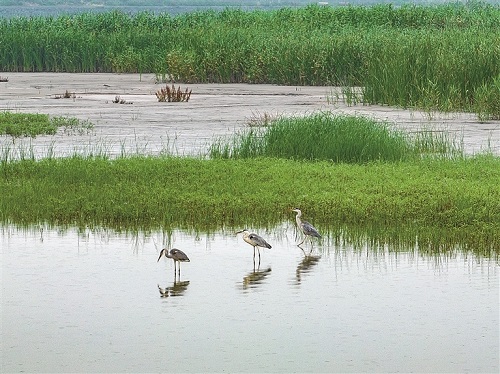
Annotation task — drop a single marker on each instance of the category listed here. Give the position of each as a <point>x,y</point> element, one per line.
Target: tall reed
<point>440,57</point>
<point>338,138</point>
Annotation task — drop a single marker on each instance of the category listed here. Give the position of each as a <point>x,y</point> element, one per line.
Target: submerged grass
<point>459,197</point>
<point>338,138</point>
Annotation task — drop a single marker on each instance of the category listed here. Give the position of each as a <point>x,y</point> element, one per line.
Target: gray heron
<point>304,226</point>
<point>254,240</point>
<point>175,254</point>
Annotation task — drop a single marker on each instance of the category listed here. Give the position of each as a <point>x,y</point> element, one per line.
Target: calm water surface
<point>99,301</point>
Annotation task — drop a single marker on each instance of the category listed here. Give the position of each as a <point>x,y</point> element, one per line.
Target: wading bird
<point>175,254</point>
<point>255,241</point>
<point>304,226</point>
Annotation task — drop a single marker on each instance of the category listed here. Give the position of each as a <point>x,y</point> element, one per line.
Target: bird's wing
<point>259,240</point>
<point>310,229</point>
<point>179,255</point>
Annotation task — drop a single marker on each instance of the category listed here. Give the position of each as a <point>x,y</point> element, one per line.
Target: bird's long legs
<point>177,270</point>
<point>258,250</point>
<point>254,257</point>
<point>258,265</point>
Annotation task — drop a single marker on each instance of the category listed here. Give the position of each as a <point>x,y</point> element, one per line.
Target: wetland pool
<point>145,126</point>
<point>98,301</point>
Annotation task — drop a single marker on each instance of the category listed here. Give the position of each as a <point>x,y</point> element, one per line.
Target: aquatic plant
<point>487,100</point>
<point>338,138</point>
<point>171,94</point>
<point>459,195</point>
<point>29,124</point>
<point>432,57</point>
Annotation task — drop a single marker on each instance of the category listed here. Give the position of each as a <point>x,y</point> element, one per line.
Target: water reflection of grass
<point>459,198</point>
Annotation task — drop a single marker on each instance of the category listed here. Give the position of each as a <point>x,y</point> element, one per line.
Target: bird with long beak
<point>175,254</point>
<point>255,241</point>
<point>307,229</point>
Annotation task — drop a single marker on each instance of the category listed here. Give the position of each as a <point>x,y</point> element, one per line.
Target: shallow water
<point>146,126</point>
<point>98,301</point>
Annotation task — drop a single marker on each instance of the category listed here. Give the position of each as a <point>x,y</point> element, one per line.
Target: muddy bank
<point>144,125</point>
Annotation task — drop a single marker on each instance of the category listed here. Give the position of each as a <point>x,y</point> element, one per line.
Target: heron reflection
<point>255,277</point>
<point>176,289</point>
<point>305,266</point>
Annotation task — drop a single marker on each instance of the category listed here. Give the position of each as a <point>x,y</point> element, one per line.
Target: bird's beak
<point>161,254</point>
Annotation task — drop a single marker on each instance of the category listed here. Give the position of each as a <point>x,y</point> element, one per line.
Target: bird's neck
<point>297,219</point>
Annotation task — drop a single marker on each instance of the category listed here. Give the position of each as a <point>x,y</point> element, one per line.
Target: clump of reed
<point>31,125</point>
<point>487,100</point>
<point>171,94</point>
<point>325,136</point>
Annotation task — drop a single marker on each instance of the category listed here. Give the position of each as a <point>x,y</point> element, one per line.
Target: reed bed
<point>337,138</point>
<point>459,196</point>
<point>438,57</point>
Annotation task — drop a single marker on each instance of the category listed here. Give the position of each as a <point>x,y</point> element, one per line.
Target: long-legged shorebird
<point>254,240</point>
<point>175,254</point>
<point>307,229</point>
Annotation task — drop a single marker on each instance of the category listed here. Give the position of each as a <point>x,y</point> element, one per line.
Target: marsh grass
<point>25,124</point>
<point>487,100</point>
<point>337,138</point>
<point>31,125</point>
<point>460,196</point>
<point>437,143</point>
<point>436,57</point>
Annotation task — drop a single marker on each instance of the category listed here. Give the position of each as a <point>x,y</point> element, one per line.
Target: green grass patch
<point>31,125</point>
<point>460,197</point>
<point>338,138</point>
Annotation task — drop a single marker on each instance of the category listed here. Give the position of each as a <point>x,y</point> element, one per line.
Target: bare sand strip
<point>146,126</point>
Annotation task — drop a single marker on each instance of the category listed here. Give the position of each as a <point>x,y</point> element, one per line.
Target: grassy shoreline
<point>459,197</point>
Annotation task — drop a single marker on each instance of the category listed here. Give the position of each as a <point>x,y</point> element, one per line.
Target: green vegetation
<point>458,199</point>
<point>351,174</point>
<point>28,124</point>
<point>442,57</point>
<point>337,138</point>
<point>359,179</point>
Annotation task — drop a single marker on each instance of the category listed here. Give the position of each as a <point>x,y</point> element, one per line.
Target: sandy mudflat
<point>146,126</point>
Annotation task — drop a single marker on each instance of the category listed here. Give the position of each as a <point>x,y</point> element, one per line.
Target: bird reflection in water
<point>255,277</point>
<point>176,289</point>
<point>305,266</point>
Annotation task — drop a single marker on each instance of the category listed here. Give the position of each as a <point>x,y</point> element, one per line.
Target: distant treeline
<point>441,57</point>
